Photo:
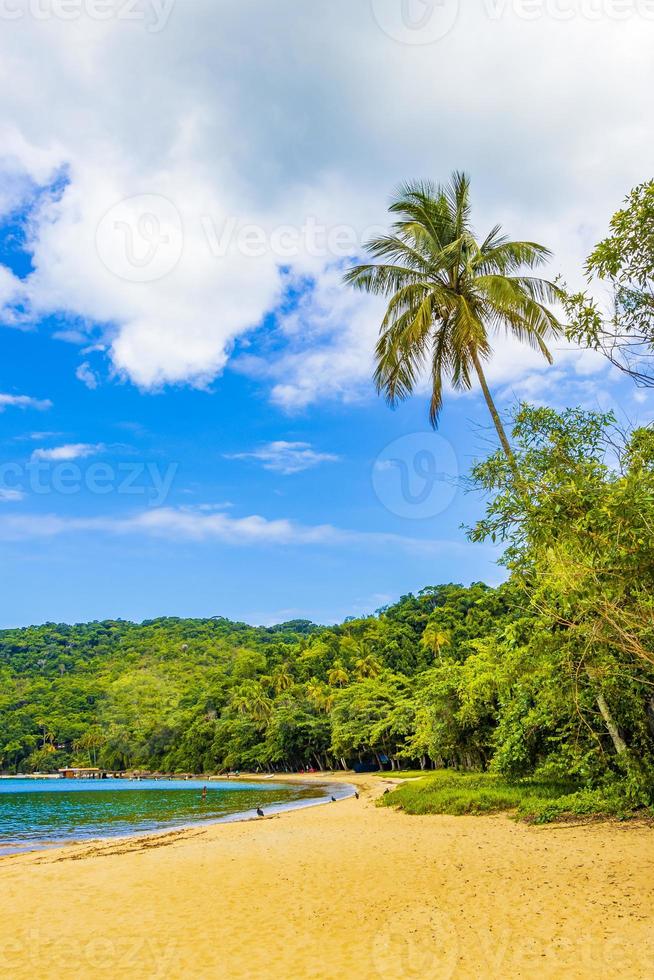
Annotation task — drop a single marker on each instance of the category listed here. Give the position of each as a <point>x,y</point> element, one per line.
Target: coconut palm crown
<point>448,293</point>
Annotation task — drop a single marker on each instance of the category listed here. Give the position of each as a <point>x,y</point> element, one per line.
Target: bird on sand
<point>333,799</point>
<point>259,811</point>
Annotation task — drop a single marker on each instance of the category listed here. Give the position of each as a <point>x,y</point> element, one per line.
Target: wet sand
<point>340,890</point>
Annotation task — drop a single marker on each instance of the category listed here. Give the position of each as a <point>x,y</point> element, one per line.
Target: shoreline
<point>352,890</point>
<point>12,850</point>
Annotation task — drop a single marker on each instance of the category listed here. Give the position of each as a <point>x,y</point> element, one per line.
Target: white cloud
<point>70,336</point>
<point>38,436</point>
<point>87,376</point>
<point>550,119</point>
<point>198,525</point>
<point>287,457</point>
<point>10,496</point>
<point>71,451</point>
<point>11,288</point>
<point>328,346</point>
<point>24,401</point>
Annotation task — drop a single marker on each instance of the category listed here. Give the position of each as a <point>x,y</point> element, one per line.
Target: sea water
<point>40,812</point>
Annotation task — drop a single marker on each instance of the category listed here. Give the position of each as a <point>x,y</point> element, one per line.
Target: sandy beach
<point>341,890</point>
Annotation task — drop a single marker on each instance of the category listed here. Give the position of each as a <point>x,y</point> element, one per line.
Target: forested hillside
<point>213,694</point>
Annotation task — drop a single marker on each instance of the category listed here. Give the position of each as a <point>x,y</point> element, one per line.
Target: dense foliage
<point>210,694</point>
<point>578,531</point>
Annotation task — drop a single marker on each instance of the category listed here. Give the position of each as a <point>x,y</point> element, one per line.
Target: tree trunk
<point>497,422</point>
<point>618,742</point>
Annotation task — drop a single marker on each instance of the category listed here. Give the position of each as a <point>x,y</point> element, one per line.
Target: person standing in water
<point>204,792</point>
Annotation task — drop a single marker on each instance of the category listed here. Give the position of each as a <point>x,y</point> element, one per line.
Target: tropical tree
<point>434,639</point>
<point>43,759</point>
<point>367,666</point>
<point>282,678</point>
<point>448,293</point>
<point>47,736</point>
<point>90,743</point>
<point>251,700</point>
<point>319,695</point>
<point>338,676</point>
<point>581,554</point>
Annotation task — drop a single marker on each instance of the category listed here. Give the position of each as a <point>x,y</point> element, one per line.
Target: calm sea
<point>40,812</point>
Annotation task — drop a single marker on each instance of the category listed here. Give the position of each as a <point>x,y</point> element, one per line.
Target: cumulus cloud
<point>286,457</point>
<point>71,451</point>
<point>327,344</point>
<point>191,171</point>
<point>24,401</point>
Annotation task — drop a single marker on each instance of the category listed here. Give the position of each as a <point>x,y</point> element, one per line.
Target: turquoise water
<point>41,812</point>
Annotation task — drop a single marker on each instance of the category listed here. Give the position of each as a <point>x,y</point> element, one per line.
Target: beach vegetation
<point>534,799</point>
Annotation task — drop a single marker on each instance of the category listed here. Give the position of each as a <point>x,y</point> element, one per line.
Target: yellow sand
<point>341,890</point>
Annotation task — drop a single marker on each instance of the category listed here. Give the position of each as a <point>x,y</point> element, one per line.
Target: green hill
<point>182,694</point>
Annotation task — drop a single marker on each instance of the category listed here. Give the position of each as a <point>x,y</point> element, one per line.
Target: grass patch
<point>404,774</point>
<point>534,800</point>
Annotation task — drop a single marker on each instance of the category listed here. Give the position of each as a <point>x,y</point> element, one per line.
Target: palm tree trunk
<point>495,415</point>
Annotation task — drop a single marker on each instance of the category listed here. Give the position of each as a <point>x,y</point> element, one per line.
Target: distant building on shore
<point>74,773</point>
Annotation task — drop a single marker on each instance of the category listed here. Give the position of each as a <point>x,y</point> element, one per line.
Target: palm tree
<point>447,293</point>
<point>434,639</point>
<point>319,695</point>
<point>47,737</point>
<point>367,667</point>
<point>251,700</point>
<point>337,676</point>
<point>91,741</point>
<point>282,679</point>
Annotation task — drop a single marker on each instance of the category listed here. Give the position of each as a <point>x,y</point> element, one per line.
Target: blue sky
<point>88,573</point>
<point>187,421</point>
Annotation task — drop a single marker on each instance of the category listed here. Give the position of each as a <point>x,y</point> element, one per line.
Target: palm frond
<point>510,256</point>
<point>447,292</point>
<point>381,280</point>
